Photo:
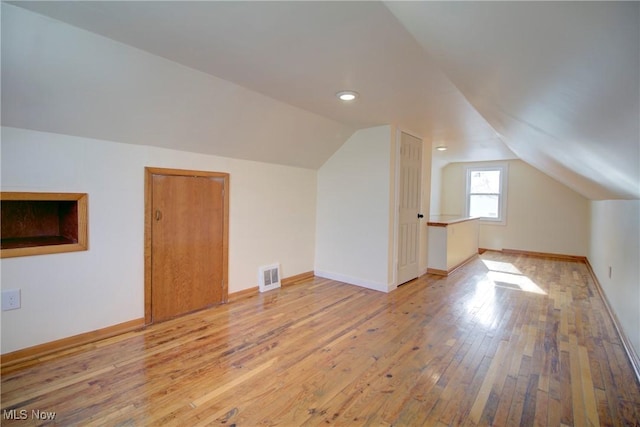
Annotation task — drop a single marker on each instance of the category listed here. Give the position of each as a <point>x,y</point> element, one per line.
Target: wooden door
<point>409,209</point>
<point>187,242</point>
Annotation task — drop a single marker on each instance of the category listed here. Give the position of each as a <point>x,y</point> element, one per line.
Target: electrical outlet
<point>10,299</point>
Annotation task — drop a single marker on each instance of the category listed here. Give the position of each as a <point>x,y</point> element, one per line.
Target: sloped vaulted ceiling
<point>57,77</point>
<point>62,79</point>
<point>554,83</point>
<point>559,80</point>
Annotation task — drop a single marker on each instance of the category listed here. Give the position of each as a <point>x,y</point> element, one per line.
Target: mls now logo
<point>14,414</point>
<point>23,414</point>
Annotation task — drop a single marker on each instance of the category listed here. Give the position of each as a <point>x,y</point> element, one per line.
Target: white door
<point>409,201</point>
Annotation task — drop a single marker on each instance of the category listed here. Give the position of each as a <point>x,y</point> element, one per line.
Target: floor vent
<point>269,277</point>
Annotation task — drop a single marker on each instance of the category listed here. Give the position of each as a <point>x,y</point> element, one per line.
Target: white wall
<point>462,242</point>
<point>615,243</point>
<point>438,248</point>
<point>543,215</point>
<point>436,187</point>
<point>353,215</point>
<point>425,205</point>
<point>272,219</point>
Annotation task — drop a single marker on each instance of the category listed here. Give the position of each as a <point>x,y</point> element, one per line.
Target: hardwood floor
<point>470,349</point>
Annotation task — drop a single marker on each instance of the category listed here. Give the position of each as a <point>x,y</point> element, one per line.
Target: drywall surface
<point>62,79</point>
<point>272,219</point>
<point>438,248</point>
<point>462,242</point>
<point>615,244</point>
<point>452,245</point>
<point>543,215</point>
<point>435,196</point>
<point>352,231</point>
<point>425,203</point>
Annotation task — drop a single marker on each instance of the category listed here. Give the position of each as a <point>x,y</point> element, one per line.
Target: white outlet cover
<point>10,299</point>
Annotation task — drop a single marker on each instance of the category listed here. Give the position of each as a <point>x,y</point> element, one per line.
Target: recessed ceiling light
<point>441,148</point>
<point>347,95</point>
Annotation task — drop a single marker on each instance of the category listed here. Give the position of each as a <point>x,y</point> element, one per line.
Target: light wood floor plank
<point>462,350</point>
<point>483,395</point>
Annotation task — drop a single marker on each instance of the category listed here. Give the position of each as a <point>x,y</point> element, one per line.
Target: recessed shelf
<point>42,223</point>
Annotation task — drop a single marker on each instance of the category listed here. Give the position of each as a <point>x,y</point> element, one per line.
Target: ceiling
<point>555,84</point>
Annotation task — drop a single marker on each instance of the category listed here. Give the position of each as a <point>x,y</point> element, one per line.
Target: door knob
<point>420,216</point>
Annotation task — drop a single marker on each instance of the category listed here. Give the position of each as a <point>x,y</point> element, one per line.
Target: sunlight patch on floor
<point>504,267</point>
<point>507,275</point>
<point>515,281</point>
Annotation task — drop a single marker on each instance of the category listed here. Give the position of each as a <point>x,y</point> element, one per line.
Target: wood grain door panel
<point>187,244</point>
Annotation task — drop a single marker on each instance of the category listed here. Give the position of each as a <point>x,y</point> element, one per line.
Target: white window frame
<point>502,195</point>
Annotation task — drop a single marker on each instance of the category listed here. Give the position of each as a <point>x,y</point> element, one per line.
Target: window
<point>486,193</point>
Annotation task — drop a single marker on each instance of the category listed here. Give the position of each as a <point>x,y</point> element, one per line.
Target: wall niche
<point>42,223</point>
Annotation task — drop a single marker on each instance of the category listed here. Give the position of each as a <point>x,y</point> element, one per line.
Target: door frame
<point>148,221</point>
